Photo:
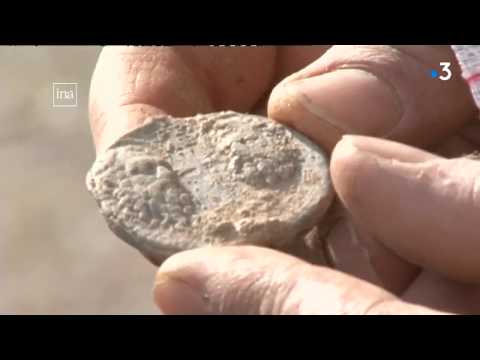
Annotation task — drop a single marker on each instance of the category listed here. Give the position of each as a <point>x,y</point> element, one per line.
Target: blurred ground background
<point>56,254</point>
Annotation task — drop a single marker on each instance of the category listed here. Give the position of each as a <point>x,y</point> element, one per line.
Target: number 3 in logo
<point>446,69</point>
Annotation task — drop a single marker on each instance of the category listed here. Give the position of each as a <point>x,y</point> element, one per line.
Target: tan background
<point>56,254</point>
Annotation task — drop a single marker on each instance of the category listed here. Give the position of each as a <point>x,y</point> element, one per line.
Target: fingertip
<point>181,264</point>
<point>346,166</point>
<point>174,296</point>
<point>343,151</point>
<point>179,283</point>
<point>362,159</point>
<point>289,106</point>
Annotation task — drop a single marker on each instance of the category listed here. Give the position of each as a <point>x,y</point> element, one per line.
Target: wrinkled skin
<point>404,239</point>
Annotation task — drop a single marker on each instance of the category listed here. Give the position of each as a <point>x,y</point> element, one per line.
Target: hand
<point>404,228</point>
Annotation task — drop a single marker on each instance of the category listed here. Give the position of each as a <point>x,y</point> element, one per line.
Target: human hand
<point>398,102</point>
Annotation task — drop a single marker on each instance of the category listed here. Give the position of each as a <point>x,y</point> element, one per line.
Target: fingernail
<point>386,149</point>
<point>352,100</point>
<point>176,297</point>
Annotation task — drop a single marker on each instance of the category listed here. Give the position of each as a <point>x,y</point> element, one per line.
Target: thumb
<point>260,281</point>
<point>376,90</point>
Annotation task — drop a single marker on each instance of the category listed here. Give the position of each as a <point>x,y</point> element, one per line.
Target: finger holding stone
<point>131,83</point>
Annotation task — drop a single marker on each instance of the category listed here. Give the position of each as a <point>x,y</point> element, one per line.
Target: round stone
<point>212,179</point>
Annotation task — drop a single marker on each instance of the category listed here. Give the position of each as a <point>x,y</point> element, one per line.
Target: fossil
<point>212,179</point>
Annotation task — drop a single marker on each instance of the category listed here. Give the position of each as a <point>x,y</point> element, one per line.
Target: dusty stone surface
<point>213,179</point>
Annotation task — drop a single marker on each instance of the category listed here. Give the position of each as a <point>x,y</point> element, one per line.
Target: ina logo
<point>65,94</point>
